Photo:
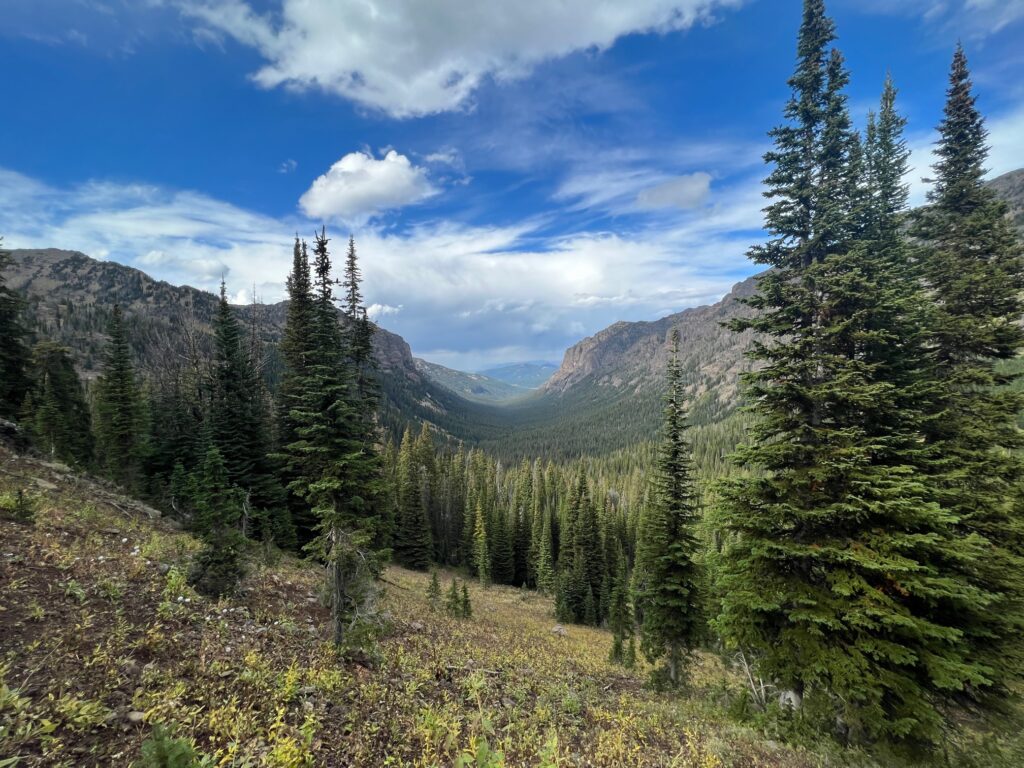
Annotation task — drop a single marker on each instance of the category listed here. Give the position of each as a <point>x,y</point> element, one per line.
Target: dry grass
<point>100,639</point>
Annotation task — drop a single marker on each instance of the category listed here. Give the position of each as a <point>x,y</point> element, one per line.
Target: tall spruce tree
<point>412,542</point>
<point>973,264</point>
<point>55,411</point>
<point>481,550</point>
<point>119,408</point>
<point>834,569</point>
<point>332,468</point>
<point>297,357</point>
<point>238,429</point>
<point>14,353</point>
<point>667,548</point>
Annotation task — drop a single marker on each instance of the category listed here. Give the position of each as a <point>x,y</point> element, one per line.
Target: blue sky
<point>518,175</point>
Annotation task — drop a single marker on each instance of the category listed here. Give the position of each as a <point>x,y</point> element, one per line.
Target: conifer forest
<point>783,529</point>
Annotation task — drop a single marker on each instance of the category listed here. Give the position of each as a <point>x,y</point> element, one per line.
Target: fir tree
<point>481,552</point>
<point>412,545</point>
<point>56,414</point>
<point>502,554</point>
<point>834,567</point>
<point>218,566</point>
<point>434,591</point>
<point>547,578</point>
<point>667,547</point>
<point>334,470</point>
<point>453,602</point>
<point>119,408</point>
<point>620,616</point>
<point>973,264</point>
<point>14,354</point>
<point>465,607</point>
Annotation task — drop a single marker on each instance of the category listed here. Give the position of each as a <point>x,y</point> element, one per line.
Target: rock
<point>559,630</point>
<point>130,669</point>
<point>134,716</point>
<point>163,568</point>
<point>416,626</point>
<point>46,485</point>
<point>173,524</point>
<point>56,466</point>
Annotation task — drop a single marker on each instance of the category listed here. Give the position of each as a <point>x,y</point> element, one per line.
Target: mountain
<point>477,387</point>
<point>526,375</point>
<point>614,377</point>
<point>70,297</point>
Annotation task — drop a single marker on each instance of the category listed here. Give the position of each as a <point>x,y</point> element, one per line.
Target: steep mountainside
<point>527,375</point>
<point>614,377</point>
<point>477,387</point>
<point>71,295</point>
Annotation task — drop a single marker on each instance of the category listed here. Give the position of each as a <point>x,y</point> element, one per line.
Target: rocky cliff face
<point>631,357</point>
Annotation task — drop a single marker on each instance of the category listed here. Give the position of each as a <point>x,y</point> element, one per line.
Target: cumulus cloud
<point>410,58</point>
<point>682,192</point>
<point>359,186</point>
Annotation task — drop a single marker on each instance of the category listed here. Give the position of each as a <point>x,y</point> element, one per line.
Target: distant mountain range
<point>478,387</point>
<point>525,375</point>
<point>606,394</point>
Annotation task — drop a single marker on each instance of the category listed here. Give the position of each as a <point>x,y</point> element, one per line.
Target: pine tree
<point>218,566</point>
<point>118,408</point>
<point>55,413</point>
<point>434,591</point>
<point>502,554</point>
<point>547,578</point>
<point>297,357</point>
<point>973,264</point>
<point>453,602</point>
<point>14,354</point>
<point>620,616</point>
<point>238,428</point>
<point>334,470</point>
<point>481,553</point>
<point>833,572</point>
<point>412,545</point>
<point>667,547</point>
<point>465,607</point>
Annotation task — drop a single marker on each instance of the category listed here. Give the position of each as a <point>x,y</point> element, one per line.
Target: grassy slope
<point>101,640</point>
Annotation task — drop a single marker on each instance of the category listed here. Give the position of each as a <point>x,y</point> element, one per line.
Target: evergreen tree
<point>297,357</point>
<point>14,354</point>
<point>412,545</point>
<point>620,617</point>
<point>547,578</point>
<point>434,591</point>
<point>502,554</point>
<point>973,264</point>
<point>667,547</point>
<point>834,567</point>
<point>119,408</point>
<point>334,470</point>
<point>453,602</point>
<point>481,553</point>
<point>465,607</point>
<point>218,566</point>
<point>56,414</point>
<point>238,428</point>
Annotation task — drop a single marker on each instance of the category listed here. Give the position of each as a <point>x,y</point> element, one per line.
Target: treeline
<point>203,438</point>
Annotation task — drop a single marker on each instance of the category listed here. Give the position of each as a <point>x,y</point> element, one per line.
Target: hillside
<point>103,641</point>
<point>71,295</point>
<point>477,387</point>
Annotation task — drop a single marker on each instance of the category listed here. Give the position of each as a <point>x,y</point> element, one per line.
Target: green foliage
<point>162,750</point>
<point>55,412</point>
<point>18,506</point>
<point>14,356</point>
<point>667,593</point>
<point>434,592</point>
<point>119,414</point>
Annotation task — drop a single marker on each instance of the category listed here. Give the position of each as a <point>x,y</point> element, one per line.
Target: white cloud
<point>359,186</point>
<point>410,58</point>
<point>682,192</point>
<point>377,311</point>
<point>965,18</point>
<point>288,166</point>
